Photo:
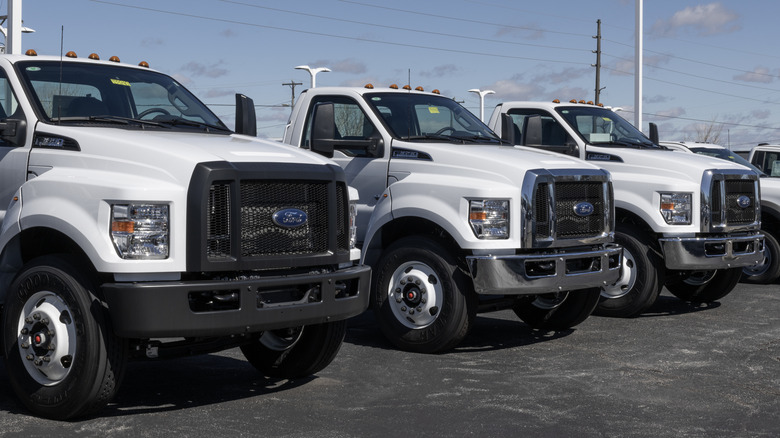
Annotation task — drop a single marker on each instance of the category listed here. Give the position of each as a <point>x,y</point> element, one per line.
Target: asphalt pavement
<point>676,371</point>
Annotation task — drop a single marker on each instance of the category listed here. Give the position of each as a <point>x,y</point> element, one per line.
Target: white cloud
<point>759,74</point>
<point>709,19</point>
<point>348,65</point>
<point>440,71</point>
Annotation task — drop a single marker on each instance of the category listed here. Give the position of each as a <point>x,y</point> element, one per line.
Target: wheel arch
<point>32,243</point>
<point>628,218</point>
<point>403,227</point>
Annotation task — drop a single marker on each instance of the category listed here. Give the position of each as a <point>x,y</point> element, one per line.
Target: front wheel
<point>704,286</point>
<point>62,357</point>
<point>640,281</point>
<point>559,311</point>
<point>768,270</point>
<point>296,352</point>
<point>422,299</point>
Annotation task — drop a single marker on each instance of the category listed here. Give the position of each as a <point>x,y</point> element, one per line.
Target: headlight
<point>676,208</point>
<point>352,223</point>
<point>489,218</point>
<point>140,231</point>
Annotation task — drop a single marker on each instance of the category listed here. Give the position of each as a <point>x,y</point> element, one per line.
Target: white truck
<point>768,271</point>
<point>136,225</point>
<point>766,157</point>
<point>687,222</point>
<point>454,222</point>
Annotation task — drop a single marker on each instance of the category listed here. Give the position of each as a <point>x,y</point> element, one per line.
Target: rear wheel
<point>422,299</point>
<point>559,311</point>
<point>704,286</point>
<point>768,270</point>
<point>296,352</point>
<point>62,357</point>
<point>640,281</point>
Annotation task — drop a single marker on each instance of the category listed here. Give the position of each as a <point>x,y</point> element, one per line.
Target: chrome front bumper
<point>698,253</point>
<point>534,274</point>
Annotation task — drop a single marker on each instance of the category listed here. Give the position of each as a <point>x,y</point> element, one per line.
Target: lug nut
<point>403,282</point>
<point>398,299</point>
<point>29,357</point>
<point>411,311</point>
<point>25,331</point>
<point>419,309</point>
<point>403,308</point>
<point>28,320</point>
<point>398,290</point>
<point>25,345</point>
<point>37,316</point>
<point>52,347</point>
<point>417,282</point>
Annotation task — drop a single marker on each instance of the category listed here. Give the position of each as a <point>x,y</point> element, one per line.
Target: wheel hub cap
<point>46,338</point>
<point>415,294</point>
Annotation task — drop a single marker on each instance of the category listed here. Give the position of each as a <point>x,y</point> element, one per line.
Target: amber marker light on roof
<point>144,64</point>
<point>114,59</point>
<point>407,87</point>
<point>71,54</point>
<point>31,52</point>
<point>394,86</point>
<point>436,91</point>
<point>369,86</point>
<point>419,89</point>
<point>556,101</point>
<point>94,56</point>
<point>573,101</point>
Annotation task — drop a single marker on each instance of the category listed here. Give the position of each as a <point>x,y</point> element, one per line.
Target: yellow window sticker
<point>120,82</point>
<point>433,109</point>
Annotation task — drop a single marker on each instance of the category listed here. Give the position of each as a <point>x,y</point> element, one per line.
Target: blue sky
<point>706,64</point>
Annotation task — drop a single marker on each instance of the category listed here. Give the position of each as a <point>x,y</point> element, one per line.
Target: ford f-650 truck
<point>136,225</point>
<point>453,221</point>
<point>688,222</point>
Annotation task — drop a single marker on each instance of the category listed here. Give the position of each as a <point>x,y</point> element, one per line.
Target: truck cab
<point>454,221</point>
<point>687,222</point>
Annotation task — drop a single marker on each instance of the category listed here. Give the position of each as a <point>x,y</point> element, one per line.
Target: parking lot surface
<point>677,370</point>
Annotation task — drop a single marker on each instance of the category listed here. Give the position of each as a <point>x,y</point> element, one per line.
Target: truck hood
<point>651,163</point>
<point>490,163</point>
<point>158,153</point>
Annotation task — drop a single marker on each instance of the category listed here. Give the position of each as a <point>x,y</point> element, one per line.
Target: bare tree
<point>707,132</point>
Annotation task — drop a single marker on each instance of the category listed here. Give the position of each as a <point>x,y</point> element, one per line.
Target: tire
<point>422,299</point>
<point>296,352</point>
<point>704,286</point>
<point>550,313</point>
<point>62,357</point>
<point>768,271</point>
<point>640,281</point>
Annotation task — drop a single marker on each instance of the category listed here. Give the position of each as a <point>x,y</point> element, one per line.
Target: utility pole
<point>598,61</point>
<point>292,85</point>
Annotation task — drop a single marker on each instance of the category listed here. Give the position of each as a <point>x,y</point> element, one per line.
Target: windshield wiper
<point>110,119</point>
<point>627,144</point>
<point>178,121</point>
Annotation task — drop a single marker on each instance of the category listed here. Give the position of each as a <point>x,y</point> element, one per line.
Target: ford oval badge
<point>583,209</point>
<point>743,201</point>
<point>290,218</point>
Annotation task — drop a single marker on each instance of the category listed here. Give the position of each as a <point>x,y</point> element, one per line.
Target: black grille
<point>570,194</point>
<point>260,236</point>
<point>542,211</point>
<point>736,215</point>
<point>218,220</point>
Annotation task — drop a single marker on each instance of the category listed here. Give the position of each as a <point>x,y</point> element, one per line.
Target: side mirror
<point>507,129</point>
<point>13,131</point>
<point>246,119</point>
<point>654,133</point>
<point>532,131</point>
<point>323,129</point>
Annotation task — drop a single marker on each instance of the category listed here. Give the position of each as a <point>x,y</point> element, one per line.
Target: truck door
<point>13,155</point>
<point>551,134</point>
<point>358,149</point>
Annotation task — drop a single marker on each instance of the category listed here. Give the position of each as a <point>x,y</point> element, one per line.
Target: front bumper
<point>705,253</point>
<point>179,309</point>
<point>533,274</point>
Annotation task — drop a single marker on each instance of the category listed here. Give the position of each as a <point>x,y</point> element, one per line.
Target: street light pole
<point>313,72</point>
<point>482,94</point>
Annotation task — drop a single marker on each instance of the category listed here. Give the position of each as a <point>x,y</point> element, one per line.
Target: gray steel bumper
<point>695,253</point>
<point>534,274</point>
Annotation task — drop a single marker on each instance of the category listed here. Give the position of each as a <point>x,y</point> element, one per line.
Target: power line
<point>395,44</point>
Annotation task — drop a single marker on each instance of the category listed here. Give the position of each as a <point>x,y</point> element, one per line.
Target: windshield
<point>726,155</point>
<point>601,126</point>
<point>74,92</point>
<point>424,117</point>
